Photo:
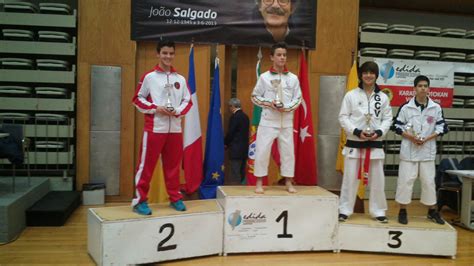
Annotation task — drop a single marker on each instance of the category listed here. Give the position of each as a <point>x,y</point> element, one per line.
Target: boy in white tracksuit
<point>419,121</point>
<point>366,117</point>
<point>278,92</point>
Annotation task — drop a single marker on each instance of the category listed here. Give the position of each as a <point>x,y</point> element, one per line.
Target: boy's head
<point>277,45</point>
<point>368,73</point>
<point>369,67</point>
<point>421,78</point>
<point>164,43</point>
<point>278,54</point>
<point>421,86</point>
<point>165,52</point>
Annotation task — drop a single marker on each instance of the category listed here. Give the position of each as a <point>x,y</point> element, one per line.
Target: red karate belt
<point>364,167</point>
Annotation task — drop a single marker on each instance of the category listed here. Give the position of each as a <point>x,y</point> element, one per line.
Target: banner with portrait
<point>397,75</point>
<point>248,22</point>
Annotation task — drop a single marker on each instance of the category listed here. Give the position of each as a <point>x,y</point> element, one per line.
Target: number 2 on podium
<point>284,216</point>
<point>161,245</point>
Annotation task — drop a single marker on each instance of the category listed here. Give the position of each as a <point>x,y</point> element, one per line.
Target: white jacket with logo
<point>355,105</point>
<point>424,123</point>
<point>151,93</point>
<point>264,93</point>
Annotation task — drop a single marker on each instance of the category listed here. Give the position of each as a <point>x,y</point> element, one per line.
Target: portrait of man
<point>276,14</point>
<point>289,21</point>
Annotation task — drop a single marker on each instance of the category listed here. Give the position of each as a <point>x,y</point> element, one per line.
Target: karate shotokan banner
<point>397,75</point>
<point>249,22</point>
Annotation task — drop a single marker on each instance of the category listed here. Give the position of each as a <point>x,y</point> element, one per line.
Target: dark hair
<point>276,46</point>
<point>369,66</point>
<point>164,43</point>
<point>421,78</point>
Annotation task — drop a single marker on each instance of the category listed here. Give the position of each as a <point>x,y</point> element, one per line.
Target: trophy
<point>276,85</point>
<point>368,131</point>
<point>409,128</point>
<point>169,105</point>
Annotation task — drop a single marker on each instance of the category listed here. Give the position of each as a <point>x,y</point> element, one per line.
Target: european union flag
<point>214,155</point>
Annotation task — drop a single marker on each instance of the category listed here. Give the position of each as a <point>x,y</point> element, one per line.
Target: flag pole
<point>259,58</point>
<point>216,60</point>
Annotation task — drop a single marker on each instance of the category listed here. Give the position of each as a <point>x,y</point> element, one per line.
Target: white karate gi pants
<point>265,138</point>
<point>350,184</point>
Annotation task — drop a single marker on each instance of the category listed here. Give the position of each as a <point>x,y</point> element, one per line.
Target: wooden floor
<point>68,245</point>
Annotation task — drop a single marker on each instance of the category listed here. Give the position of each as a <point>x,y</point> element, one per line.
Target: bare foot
<point>259,186</point>
<point>289,186</point>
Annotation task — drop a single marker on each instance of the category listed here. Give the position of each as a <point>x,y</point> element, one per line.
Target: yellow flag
<point>352,82</point>
<point>158,193</point>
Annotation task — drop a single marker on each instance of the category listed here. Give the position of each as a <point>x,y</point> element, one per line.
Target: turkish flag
<point>305,153</point>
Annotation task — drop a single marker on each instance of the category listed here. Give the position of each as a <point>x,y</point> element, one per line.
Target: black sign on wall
<point>244,22</point>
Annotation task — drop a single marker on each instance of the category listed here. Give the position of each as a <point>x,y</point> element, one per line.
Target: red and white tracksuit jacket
<point>162,133</point>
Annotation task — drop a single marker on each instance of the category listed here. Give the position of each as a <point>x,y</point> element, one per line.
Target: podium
<point>420,236</point>
<point>241,221</point>
<point>116,235</point>
<point>278,220</point>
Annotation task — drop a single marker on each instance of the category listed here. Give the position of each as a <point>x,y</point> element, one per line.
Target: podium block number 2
<point>284,216</point>
<point>161,245</point>
<point>395,241</point>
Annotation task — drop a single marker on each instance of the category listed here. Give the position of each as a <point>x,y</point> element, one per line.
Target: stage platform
<point>13,205</point>
<point>277,220</point>
<point>420,236</point>
<point>116,235</point>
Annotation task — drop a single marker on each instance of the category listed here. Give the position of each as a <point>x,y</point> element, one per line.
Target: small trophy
<point>276,85</point>
<point>169,105</point>
<point>369,131</point>
<point>409,128</point>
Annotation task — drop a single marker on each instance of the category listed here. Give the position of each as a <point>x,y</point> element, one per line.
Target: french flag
<point>192,159</point>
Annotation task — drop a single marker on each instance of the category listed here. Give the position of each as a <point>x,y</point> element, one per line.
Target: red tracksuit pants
<point>170,146</point>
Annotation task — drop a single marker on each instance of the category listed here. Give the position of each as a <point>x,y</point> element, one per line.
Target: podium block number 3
<point>395,241</point>
<point>161,245</point>
<point>284,216</point>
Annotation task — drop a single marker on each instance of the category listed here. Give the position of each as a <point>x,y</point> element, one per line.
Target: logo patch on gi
<point>388,92</point>
<point>177,85</point>
<point>351,150</point>
<point>430,119</point>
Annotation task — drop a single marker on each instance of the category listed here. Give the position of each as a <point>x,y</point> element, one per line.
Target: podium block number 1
<point>284,216</point>
<point>161,245</point>
<point>395,239</point>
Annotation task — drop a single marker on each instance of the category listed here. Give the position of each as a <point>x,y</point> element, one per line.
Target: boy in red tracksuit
<point>163,96</point>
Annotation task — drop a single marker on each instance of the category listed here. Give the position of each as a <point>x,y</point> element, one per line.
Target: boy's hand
<point>413,138</point>
<point>277,106</point>
<point>165,111</point>
<point>374,136</point>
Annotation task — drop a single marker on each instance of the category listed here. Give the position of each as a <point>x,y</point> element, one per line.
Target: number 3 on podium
<point>395,236</point>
